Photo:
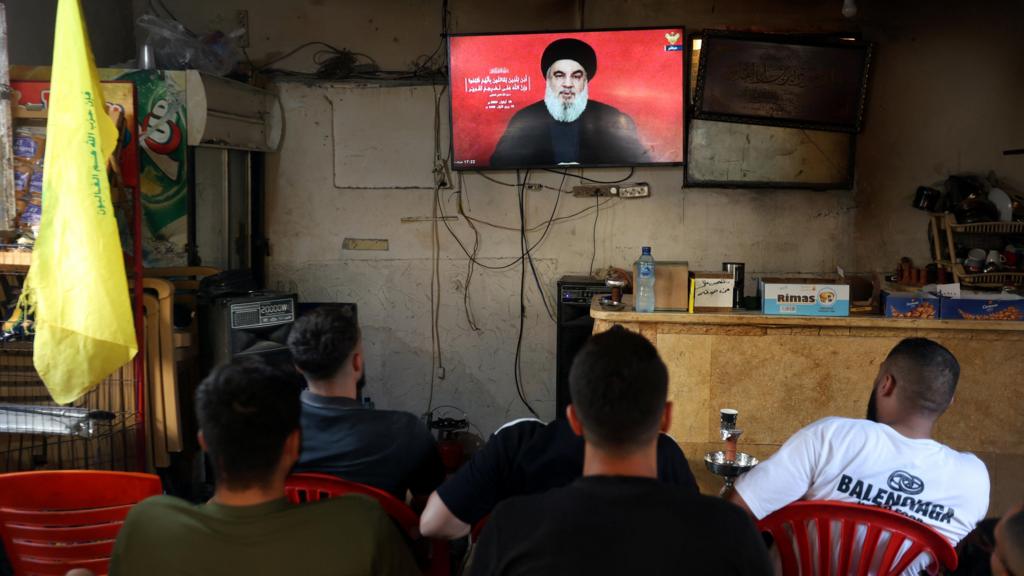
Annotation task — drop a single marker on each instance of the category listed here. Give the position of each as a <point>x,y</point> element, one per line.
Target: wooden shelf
<point>15,260</point>
<point>994,280</point>
<point>988,228</point>
<point>945,225</point>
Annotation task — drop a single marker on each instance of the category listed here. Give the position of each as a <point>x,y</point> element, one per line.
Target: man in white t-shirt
<point>887,460</point>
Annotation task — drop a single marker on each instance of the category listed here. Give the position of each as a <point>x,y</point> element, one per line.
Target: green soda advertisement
<point>163,164</point>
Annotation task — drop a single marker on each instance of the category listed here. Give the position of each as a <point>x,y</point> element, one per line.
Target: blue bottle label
<point>646,270</point>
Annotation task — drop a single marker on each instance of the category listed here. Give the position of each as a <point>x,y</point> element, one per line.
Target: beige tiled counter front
<point>783,373</point>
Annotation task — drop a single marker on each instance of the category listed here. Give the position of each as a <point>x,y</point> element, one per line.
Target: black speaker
<point>233,326</point>
<point>574,327</point>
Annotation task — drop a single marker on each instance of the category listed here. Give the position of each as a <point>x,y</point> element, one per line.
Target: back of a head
<point>926,374</point>
<point>321,341</point>
<point>246,411</point>
<point>619,387</point>
<point>1010,541</point>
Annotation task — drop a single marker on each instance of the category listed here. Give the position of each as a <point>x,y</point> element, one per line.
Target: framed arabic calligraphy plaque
<point>782,80</point>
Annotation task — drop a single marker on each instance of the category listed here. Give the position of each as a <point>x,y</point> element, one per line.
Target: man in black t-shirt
<point>618,518</point>
<point>523,457</point>
<point>388,449</point>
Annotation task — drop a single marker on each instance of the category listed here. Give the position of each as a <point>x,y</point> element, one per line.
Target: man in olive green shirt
<point>249,425</point>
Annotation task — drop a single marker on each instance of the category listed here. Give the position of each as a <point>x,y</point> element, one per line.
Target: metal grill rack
<point>98,431</point>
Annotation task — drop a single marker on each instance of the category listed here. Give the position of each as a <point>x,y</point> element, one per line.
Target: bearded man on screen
<point>567,127</point>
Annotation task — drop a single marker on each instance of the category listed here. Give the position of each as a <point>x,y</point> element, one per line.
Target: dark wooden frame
<point>722,99</point>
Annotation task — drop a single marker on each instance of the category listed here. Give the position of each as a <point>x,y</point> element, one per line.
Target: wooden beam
<point>7,197</point>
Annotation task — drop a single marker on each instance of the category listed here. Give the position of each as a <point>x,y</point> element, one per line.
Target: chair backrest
<point>310,487</point>
<point>53,521</point>
<point>791,529</point>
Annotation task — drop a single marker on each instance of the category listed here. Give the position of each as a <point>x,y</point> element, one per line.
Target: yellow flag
<point>76,284</point>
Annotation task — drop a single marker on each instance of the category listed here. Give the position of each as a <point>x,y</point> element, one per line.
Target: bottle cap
<point>645,251</point>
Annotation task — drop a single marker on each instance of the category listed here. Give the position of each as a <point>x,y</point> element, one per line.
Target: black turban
<point>569,49</point>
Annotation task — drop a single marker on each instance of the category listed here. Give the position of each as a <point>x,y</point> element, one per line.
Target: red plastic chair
<point>792,523</point>
<point>53,521</point>
<point>311,487</point>
<point>478,528</point>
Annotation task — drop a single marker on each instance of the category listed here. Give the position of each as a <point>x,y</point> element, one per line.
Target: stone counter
<point>783,373</point>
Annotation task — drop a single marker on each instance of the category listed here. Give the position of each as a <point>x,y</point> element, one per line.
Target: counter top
<point>757,319</point>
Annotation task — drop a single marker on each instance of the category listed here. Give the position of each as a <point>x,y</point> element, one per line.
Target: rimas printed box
<point>804,297</point>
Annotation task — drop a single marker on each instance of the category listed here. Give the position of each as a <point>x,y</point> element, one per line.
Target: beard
<point>872,408</point>
<point>565,111</point>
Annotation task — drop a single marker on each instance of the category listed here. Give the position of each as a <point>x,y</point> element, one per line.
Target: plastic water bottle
<point>645,281</point>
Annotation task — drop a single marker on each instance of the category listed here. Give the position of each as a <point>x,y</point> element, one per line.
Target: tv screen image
<point>541,100</point>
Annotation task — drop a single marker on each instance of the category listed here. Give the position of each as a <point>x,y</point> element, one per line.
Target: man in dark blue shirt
<point>388,449</point>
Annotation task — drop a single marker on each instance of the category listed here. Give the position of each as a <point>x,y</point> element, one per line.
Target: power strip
<point>638,190</point>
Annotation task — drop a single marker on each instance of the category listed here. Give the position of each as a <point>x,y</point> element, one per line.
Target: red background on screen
<point>634,74</point>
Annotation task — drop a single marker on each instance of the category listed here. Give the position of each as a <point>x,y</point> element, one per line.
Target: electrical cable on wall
<point>441,178</point>
<point>335,63</point>
<point>593,251</point>
<point>517,368</point>
<point>469,261</point>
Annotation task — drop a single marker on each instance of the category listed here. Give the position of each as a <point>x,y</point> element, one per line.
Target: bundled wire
<point>517,372</point>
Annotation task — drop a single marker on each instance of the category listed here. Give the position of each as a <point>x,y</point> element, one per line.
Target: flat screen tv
<point>555,99</point>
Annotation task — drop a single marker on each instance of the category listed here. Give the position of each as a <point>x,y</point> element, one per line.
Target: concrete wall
<point>31,22</point>
<point>946,99</point>
<point>772,231</point>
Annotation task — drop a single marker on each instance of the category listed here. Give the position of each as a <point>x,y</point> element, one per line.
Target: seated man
<point>889,459</point>
<point>387,449</point>
<point>249,425</point>
<point>524,457</point>
<point>618,518</point>
<point>1008,555</point>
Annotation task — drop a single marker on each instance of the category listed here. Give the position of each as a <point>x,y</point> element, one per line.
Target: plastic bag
<point>175,48</point>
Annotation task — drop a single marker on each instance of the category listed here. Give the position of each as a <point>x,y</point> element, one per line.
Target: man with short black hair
<point>568,127</point>
<point>618,518</point>
<point>525,456</point>
<point>889,459</point>
<point>388,449</point>
<point>249,425</point>
<point>1008,555</point>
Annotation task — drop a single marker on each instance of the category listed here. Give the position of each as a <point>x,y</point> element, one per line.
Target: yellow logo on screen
<point>673,37</point>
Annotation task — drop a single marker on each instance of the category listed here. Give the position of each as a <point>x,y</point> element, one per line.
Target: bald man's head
<point>1008,556</point>
<point>926,374</point>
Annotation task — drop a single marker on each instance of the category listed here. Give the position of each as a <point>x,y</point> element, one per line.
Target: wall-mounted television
<point>554,99</point>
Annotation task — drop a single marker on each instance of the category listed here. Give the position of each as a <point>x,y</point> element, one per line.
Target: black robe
<point>606,136</point>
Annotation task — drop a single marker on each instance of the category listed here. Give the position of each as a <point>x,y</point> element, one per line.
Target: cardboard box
<point>712,291</point>
<point>671,284</point>
<point>805,297</point>
<point>910,304</point>
<point>982,306</point>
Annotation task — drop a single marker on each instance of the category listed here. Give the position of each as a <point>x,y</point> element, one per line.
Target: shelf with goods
<point>944,231</point>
